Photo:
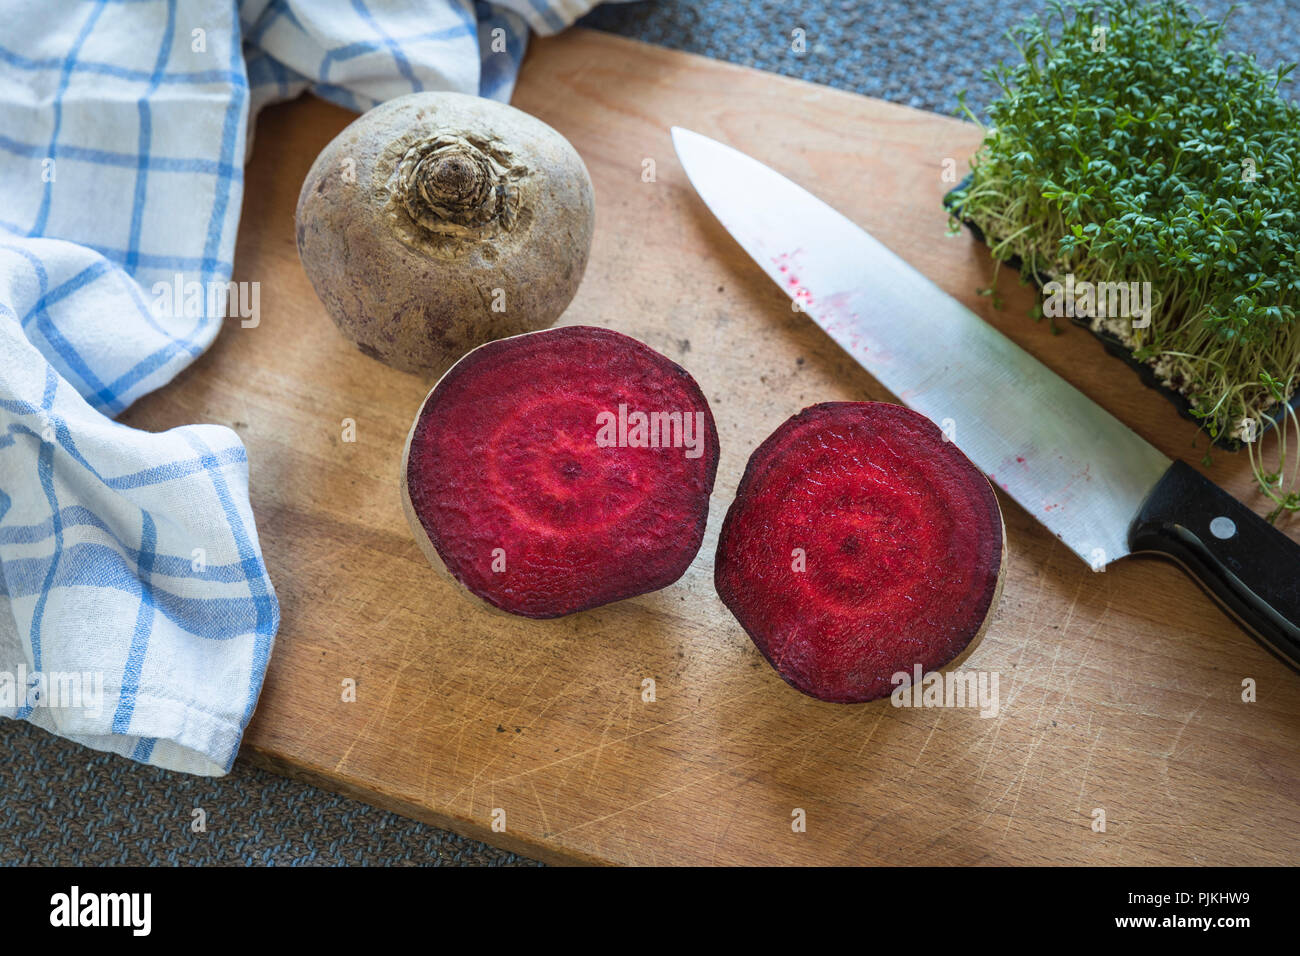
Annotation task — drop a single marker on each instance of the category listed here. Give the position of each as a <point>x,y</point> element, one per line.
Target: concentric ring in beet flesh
<point>561,470</point>
<point>860,544</point>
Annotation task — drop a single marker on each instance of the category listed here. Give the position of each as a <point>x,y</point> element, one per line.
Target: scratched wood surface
<point>1119,691</point>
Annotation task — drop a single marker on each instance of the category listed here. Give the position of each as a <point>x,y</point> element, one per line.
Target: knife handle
<point>1246,564</point>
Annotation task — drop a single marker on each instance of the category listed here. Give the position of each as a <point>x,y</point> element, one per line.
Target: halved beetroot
<point>561,470</point>
<point>860,544</point>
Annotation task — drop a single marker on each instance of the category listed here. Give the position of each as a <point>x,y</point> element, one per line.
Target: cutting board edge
<point>323,779</point>
<point>739,69</point>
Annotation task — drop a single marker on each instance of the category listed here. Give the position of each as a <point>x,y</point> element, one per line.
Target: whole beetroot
<point>439,221</point>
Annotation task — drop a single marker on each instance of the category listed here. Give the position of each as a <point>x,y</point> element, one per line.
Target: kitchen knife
<point>1101,489</point>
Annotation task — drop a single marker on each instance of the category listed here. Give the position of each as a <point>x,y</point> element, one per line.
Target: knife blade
<point>1093,482</point>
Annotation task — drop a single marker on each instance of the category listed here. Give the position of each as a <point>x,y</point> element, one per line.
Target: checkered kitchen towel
<point>136,614</point>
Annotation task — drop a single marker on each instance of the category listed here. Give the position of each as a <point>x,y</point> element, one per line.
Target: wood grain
<point>1120,690</point>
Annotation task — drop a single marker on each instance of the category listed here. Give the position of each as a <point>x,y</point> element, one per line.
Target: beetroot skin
<point>531,477</point>
<point>899,536</point>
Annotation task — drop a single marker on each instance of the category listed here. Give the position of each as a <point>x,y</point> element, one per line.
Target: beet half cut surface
<point>531,477</point>
<point>860,544</point>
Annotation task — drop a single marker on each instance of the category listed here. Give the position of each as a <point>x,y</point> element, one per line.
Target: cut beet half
<point>561,470</point>
<point>860,544</point>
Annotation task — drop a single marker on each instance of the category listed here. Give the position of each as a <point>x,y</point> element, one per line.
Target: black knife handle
<point>1246,564</point>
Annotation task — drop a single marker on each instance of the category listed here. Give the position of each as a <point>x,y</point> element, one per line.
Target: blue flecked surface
<point>917,52</point>
<point>60,803</point>
<point>64,804</point>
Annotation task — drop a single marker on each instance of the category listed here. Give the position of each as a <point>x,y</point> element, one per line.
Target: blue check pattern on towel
<point>136,612</point>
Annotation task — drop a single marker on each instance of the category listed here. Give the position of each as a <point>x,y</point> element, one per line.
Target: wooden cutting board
<point>1120,691</point>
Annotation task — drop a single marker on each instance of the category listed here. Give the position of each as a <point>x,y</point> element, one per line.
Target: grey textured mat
<point>917,52</point>
<point>60,803</point>
<point>64,804</point>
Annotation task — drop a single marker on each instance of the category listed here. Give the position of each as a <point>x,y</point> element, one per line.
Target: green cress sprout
<point>1128,147</point>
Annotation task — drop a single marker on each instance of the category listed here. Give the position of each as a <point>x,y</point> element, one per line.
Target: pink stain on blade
<point>837,305</point>
<point>797,290</point>
<point>784,260</point>
<point>833,312</point>
<point>1086,475</point>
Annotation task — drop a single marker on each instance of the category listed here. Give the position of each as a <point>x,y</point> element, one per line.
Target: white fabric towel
<point>136,613</point>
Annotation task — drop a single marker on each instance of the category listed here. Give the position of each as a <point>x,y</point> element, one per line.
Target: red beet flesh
<point>511,472</point>
<point>902,546</point>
